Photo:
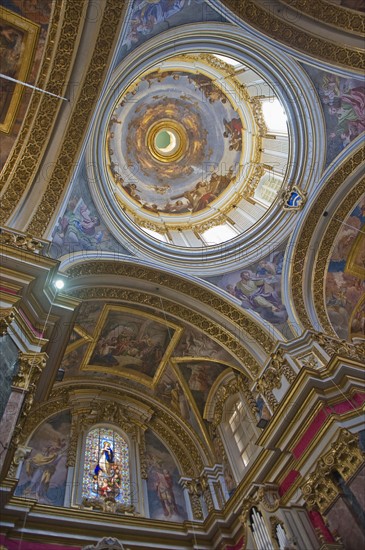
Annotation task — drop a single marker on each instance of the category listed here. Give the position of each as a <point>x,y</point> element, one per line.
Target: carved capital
<point>195,490</point>
<point>30,367</point>
<point>345,457</point>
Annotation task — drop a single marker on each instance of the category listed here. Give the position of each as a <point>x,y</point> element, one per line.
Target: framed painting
<point>18,40</point>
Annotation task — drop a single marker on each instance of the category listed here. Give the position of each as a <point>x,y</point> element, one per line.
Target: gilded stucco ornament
<point>62,38</point>
<point>260,15</point>
<point>224,337</point>
<point>7,316</point>
<point>303,243</point>
<point>30,368</point>
<point>268,497</point>
<point>24,241</point>
<point>108,506</point>
<point>345,457</point>
<point>20,454</point>
<point>195,491</point>
<point>66,159</point>
<point>334,346</point>
<point>330,14</point>
<point>279,363</point>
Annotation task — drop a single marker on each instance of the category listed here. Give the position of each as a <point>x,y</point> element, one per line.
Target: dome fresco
<point>201,135</point>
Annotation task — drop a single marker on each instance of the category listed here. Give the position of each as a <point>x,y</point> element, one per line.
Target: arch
<point>106,465</point>
<point>304,252</point>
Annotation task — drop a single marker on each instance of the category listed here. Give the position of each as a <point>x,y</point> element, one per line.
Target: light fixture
<point>59,284</point>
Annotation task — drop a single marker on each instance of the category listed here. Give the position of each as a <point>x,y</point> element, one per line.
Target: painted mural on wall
<point>80,227</point>
<point>344,284</point>
<point>258,287</point>
<point>150,17</point>
<point>43,474</point>
<point>206,134</point>
<point>23,32</point>
<point>343,103</point>
<point>165,496</point>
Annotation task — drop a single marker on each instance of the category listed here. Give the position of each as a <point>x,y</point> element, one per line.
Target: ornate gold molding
<point>30,367</point>
<point>57,60</point>
<point>336,347</point>
<point>194,489</point>
<point>269,380</point>
<point>303,241</point>
<point>255,14</point>
<point>84,107</point>
<point>14,156</point>
<point>345,457</point>
<point>24,241</point>
<point>325,249</point>
<point>7,316</point>
<point>330,14</point>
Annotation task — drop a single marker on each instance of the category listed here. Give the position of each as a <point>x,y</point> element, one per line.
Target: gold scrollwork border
<point>305,237</point>
<point>184,313</point>
<point>337,16</point>
<point>112,14</point>
<point>234,314</point>
<point>323,256</point>
<point>43,108</point>
<point>259,17</point>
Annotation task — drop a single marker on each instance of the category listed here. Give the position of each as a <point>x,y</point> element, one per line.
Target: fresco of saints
<point>165,493</point>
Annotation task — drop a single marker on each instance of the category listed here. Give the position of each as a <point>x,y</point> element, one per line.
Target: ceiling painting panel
<point>130,344</point>
<point>202,128</point>
<point>343,104</point>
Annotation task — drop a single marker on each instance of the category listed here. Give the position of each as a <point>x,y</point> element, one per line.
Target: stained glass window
<point>106,466</point>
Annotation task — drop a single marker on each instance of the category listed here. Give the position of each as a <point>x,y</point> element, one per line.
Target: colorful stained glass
<point>106,466</point>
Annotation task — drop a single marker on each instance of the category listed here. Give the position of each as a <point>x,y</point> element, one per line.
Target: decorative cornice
<point>22,165</point>
<point>304,238</point>
<point>84,107</point>
<point>255,14</point>
<point>24,241</point>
